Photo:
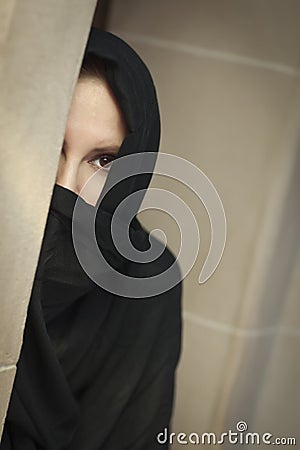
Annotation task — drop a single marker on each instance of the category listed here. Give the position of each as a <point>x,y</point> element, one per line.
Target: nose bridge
<point>68,173</point>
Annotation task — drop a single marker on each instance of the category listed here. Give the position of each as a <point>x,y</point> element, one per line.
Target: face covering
<point>97,369</point>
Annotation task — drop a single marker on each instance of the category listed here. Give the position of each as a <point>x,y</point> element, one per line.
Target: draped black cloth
<point>96,369</point>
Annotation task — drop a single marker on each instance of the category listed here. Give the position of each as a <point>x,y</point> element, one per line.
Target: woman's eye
<point>102,161</point>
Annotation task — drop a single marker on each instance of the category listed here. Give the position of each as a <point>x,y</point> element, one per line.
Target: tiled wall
<point>38,58</point>
<point>227,75</point>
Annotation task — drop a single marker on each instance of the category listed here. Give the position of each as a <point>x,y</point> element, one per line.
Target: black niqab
<point>97,370</point>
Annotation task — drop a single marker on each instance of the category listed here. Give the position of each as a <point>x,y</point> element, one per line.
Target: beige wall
<point>227,75</point>
<point>41,44</point>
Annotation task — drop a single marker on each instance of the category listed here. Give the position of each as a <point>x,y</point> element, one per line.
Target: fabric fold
<point>97,370</point>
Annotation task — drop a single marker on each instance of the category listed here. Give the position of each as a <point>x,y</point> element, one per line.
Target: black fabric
<point>97,370</point>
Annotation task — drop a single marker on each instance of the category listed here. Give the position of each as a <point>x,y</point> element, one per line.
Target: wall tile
<point>254,29</point>
<point>278,404</point>
<point>229,121</point>
<point>200,372</point>
<point>291,314</point>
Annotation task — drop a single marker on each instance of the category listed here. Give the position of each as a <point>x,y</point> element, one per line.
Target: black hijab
<point>96,369</point>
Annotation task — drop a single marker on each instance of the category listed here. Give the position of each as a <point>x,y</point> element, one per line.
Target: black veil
<point>97,370</point>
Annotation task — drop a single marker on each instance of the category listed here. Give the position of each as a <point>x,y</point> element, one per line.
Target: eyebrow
<point>109,149</point>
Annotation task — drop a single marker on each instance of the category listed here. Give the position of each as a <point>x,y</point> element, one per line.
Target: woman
<point>97,369</point>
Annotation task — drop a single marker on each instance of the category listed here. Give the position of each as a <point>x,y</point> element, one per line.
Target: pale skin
<point>94,133</point>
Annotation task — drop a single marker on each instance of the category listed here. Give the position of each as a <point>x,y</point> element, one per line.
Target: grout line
<point>6,368</point>
<point>229,329</point>
<point>206,53</point>
<point>242,332</point>
<point>290,331</point>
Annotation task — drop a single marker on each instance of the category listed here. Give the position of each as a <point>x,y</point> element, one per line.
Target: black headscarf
<point>97,370</point>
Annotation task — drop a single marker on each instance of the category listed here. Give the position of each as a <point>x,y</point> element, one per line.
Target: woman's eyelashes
<point>102,161</point>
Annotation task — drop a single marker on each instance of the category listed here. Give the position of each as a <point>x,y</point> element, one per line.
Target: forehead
<point>94,110</point>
